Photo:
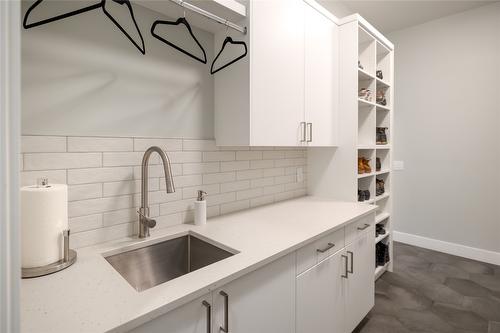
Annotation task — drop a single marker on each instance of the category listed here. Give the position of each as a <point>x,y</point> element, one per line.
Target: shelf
<point>381,237</point>
<point>383,83</point>
<point>381,172</point>
<point>382,146</point>
<point>381,270</point>
<point>361,147</point>
<point>364,175</point>
<point>382,107</point>
<point>371,201</point>
<point>381,217</point>
<point>364,75</point>
<point>382,197</point>
<point>365,102</point>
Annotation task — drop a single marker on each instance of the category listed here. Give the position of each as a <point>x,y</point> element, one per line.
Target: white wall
<point>447,120</point>
<point>81,76</point>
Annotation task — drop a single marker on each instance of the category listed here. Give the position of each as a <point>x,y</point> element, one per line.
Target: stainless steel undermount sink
<point>152,265</point>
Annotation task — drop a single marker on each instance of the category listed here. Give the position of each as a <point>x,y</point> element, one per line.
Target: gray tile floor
<point>435,292</point>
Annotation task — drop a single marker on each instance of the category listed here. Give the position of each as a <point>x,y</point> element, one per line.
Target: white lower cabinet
<point>320,297</point>
<point>262,301</point>
<point>360,284</point>
<point>332,294</point>
<point>192,317</point>
<point>337,293</point>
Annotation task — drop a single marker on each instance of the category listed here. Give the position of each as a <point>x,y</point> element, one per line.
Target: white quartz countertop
<point>91,296</point>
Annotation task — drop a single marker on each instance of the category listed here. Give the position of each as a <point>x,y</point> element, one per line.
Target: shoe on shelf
<point>378,164</point>
<point>361,166</point>
<point>381,135</point>
<point>359,65</point>
<point>365,94</point>
<point>379,74</point>
<point>380,187</point>
<point>361,196</point>
<point>367,167</point>
<point>367,195</point>
<point>381,98</point>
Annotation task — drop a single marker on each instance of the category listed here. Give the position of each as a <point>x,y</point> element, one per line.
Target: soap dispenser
<point>200,209</point>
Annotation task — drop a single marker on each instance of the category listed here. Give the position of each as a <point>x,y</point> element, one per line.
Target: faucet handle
<point>147,221</point>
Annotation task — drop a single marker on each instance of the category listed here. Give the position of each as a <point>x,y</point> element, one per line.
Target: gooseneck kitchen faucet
<point>145,222</point>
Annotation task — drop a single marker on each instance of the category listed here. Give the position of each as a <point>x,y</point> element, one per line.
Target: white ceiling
<point>388,16</point>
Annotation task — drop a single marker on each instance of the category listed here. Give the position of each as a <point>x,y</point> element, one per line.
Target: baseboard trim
<point>447,247</point>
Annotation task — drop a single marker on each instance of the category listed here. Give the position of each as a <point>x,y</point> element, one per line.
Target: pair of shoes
<point>359,65</point>
<point>381,135</point>
<point>382,256</point>
<point>378,73</point>
<point>365,94</point>
<point>381,98</point>
<point>363,195</point>
<point>378,164</point>
<point>364,165</point>
<point>379,230</point>
<point>380,187</point>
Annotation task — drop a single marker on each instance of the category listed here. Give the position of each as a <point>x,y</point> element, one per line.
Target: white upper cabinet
<point>288,79</point>
<point>321,90</point>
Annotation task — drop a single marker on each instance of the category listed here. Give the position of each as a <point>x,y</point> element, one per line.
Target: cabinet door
<point>321,89</point>
<point>360,284</point>
<point>262,301</point>
<point>188,318</point>
<point>320,297</point>
<point>277,72</point>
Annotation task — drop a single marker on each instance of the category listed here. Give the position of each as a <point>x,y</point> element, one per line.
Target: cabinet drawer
<point>312,253</point>
<point>356,228</point>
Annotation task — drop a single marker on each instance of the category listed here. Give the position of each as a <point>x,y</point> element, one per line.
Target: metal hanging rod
<point>211,16</point>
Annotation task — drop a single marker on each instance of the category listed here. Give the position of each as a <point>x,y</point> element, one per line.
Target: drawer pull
<point>352,262</point>
<point>346,275</point>
<point>328,247</point>
<point>226,312</point>
<point>363,228</point>
<point>209,315</point>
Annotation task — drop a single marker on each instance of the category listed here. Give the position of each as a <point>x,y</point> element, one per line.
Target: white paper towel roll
<point>44,216</point>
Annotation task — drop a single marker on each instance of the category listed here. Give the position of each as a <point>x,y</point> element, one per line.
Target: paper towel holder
<point>69,258</point>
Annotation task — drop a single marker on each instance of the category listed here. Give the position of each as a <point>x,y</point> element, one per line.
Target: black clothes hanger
<point>181,20</point>
<point>141,48</point>
<point>226,41</point>
<point>101,4</point>
<point>58,17</point>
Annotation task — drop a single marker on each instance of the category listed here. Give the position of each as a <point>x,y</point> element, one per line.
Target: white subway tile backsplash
<point>101,144</point>
<point>234,166</point>
<point>54,176</point>
<point>219,156</point>
<point>222,177</point>
<point>92,206</point>
<point>248,155</point>
<point>235,186</point>
<point>84,223</point>
<point>199,145</point>
<point>99,175</point>
<point>43,144</point>
<point>86,191</point>
<point>127,159</point>
<point>104,177</point>
<point>234,206</point>
<point>56,161</point>
<point>141,144</point>
<point>200,168</point>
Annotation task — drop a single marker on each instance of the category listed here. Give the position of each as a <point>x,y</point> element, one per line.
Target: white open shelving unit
<point>373,56</point>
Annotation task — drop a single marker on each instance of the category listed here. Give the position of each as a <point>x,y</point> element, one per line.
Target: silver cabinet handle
<point>226,312</point>
<point>209,315</point>
<point>310,130</point>
<point>303,131</point>
<point>363,228</point>
<point>328,247</point>
<point>352,262</point>
<point>345,276</point>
